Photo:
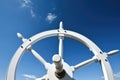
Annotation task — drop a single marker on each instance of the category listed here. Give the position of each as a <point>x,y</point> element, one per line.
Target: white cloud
<point>33,77</point>
<point>42,78</point>
<point>116,76</point>
<point>32,13</point>
<point>28,4</point>
<point>50,17</point>
<point>29,77</point>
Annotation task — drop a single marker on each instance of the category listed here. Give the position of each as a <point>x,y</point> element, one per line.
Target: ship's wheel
<point>60,70</point>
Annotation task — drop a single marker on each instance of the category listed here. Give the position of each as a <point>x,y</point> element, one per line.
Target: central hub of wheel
<point>60,72</point>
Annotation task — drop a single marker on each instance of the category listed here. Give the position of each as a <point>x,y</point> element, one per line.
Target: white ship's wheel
<point>60,70</point>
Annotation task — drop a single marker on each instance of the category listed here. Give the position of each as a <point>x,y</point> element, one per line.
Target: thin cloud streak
<point>33,77</point>
<point>29,77</point>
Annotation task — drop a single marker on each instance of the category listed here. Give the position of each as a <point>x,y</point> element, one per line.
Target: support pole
<point>60,72</point>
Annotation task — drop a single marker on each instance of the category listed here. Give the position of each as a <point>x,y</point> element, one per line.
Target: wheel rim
<point>101,57</point>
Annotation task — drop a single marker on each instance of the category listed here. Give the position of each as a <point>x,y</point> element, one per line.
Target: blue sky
<point>99,20</point>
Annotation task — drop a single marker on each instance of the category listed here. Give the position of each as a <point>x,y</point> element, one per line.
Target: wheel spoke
<point>84,63</point>
<point>38,56</point>
<point>113,52</point>
<point>61,37</point>
<point>61,46</point>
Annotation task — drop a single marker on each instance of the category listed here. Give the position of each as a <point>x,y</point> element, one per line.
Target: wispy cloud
<point>32,13</point>
<point>116,76</point>
<point>26,3</point>
<point>51,17</point>
<point>29,77</point>
<point>29,5</point>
